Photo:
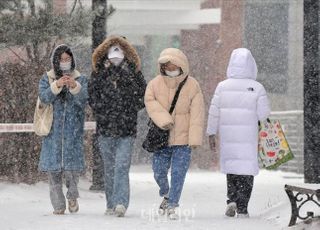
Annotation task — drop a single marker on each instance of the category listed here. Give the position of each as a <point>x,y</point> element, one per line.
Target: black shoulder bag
<point>158,138</point>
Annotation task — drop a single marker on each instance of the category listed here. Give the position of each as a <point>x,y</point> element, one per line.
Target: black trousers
<point>239,191</point>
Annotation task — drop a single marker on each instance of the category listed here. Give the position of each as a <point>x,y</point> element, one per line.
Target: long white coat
<point>237,105</point>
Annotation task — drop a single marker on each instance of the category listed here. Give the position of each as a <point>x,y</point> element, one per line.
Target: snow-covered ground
<point>202,205</point>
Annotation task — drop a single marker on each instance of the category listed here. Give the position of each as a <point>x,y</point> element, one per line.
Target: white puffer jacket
<point>237,105</point>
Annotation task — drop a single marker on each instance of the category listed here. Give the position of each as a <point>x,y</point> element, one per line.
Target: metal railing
<point>90,125</point>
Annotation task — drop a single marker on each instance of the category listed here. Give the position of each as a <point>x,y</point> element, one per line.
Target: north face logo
<point>250,89</point>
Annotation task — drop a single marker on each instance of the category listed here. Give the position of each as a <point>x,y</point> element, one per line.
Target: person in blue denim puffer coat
<point>62,149</point>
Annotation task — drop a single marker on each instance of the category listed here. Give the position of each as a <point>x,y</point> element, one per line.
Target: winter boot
<point>231,209</point>
<point>163,206</point>
<point>73,205</point>
<point>120,210</point>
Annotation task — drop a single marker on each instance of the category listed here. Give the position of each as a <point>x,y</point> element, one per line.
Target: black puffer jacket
<point>116,94</point>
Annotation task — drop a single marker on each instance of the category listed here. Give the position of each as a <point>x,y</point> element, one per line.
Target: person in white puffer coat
<point>239,102</point>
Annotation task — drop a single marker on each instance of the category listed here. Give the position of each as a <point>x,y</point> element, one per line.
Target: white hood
<point>242,65</point>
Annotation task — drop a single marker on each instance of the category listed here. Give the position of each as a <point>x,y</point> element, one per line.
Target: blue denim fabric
<point>116,154</point>
<point>178,157</point>
<point>62,149</point>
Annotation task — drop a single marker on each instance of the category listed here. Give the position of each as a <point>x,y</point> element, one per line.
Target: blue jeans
<point>178,157</point>
<point>116,154</point>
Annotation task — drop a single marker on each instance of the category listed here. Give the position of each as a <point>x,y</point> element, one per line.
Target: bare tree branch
<point>29,52</point>
<point>80,4</point>
<point>53,46</point>
<point>36,53</point>
<point>32,7</point>
<point>19,8</point>
<point>17,55</point>
<point>73,6</point>
<point>48,48</point>
<point>111,10</point>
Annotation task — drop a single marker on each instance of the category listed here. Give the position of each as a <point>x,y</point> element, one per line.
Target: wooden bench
<point>298,197</point>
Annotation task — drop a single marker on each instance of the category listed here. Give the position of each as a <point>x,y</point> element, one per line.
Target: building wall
<point>208,49</point>
<point>274,33</point>
<point>292,124</point>
<point>276,41</point>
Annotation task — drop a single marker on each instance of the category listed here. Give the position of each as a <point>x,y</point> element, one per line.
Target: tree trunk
<point>99,7</point>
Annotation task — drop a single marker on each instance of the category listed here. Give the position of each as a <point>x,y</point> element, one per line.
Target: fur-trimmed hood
<point>101,51</point>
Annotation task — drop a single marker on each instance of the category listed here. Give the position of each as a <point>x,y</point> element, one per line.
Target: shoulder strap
<point>176,96</point>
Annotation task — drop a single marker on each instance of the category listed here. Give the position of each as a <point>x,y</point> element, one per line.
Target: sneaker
<point>109,212</point>
<point>120,210</point>
<point>231,209</point>
<point>59,212</point>
<point>172,214</point>
<point>243,215</point>
<point>163,206</point>
<point>73,205</point>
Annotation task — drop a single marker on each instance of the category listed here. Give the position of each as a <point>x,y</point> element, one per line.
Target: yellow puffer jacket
<point>187,119</point>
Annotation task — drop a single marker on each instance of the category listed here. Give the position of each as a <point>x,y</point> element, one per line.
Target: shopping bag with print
<point>274,149</point>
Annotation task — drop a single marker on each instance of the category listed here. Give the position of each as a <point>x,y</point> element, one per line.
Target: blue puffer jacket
<point>62,149</point>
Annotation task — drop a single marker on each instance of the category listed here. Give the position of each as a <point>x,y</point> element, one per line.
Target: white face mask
<point>116,61</point>
<point>174,73</point>
<point>65,66</point>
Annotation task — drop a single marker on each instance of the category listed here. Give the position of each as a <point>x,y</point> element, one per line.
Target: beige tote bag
<point>43,117</point>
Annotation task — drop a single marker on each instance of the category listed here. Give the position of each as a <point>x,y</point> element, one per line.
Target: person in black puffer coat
<point>116,94</point>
